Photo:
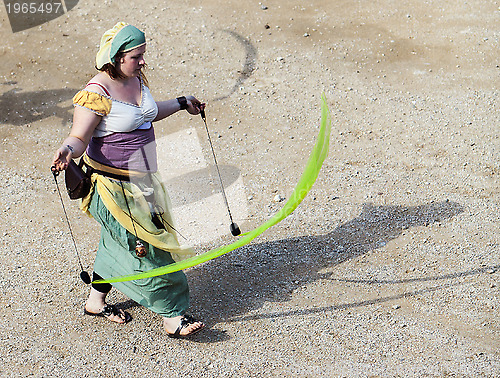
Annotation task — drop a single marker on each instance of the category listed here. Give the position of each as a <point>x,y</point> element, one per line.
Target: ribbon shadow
<point>227,288</point>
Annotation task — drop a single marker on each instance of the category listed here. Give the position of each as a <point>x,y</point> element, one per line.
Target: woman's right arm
<point>84,123</point>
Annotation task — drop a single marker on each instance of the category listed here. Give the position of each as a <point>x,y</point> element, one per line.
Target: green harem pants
<point>167,295</point>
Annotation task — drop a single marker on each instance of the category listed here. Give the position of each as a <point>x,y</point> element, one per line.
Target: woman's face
<point>131,63</point>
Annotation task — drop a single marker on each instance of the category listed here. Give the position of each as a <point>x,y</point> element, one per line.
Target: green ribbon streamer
<point>306,181</point>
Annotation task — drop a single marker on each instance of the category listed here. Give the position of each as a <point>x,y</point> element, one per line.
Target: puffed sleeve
<point>93,101</point>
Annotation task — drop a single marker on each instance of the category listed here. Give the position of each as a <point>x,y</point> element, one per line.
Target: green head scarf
<point>121,38</point>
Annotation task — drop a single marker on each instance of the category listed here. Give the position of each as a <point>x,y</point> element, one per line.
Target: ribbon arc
<point>306,181</point>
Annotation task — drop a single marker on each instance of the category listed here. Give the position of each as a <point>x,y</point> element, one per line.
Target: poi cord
<point>306,181</point>
<point>83,274</point>
<point>235,230</point>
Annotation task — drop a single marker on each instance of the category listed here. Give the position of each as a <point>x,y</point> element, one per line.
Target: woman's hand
<point>62,158</point>
<point>194,105</point>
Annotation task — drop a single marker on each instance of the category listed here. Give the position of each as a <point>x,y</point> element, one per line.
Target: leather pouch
<point>78,182</point>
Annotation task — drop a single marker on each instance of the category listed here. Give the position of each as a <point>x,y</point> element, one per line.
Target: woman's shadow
<point>18,107</point>
<point>243,280</point>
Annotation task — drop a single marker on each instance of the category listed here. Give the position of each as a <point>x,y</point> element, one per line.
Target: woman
<point>112,125</point>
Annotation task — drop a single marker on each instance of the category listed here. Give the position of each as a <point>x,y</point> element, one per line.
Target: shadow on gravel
<point>19,108</point>
<point>227,288</point>
<point>182,188</point>
<point>248,66</point>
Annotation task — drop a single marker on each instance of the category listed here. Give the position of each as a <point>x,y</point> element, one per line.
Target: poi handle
<point>54,170</point>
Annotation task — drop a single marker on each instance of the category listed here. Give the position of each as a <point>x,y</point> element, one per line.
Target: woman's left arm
<point>169,107</point>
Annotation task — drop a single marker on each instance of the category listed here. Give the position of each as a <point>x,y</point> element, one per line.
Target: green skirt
<point>167,295</point>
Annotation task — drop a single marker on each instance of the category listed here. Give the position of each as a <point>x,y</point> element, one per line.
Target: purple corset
<point>135,150</point>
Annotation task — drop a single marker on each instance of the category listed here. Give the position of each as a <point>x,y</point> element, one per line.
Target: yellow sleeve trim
<point>94,101</point>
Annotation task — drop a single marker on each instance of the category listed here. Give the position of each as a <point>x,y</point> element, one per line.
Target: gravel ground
<point>388,268</point>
